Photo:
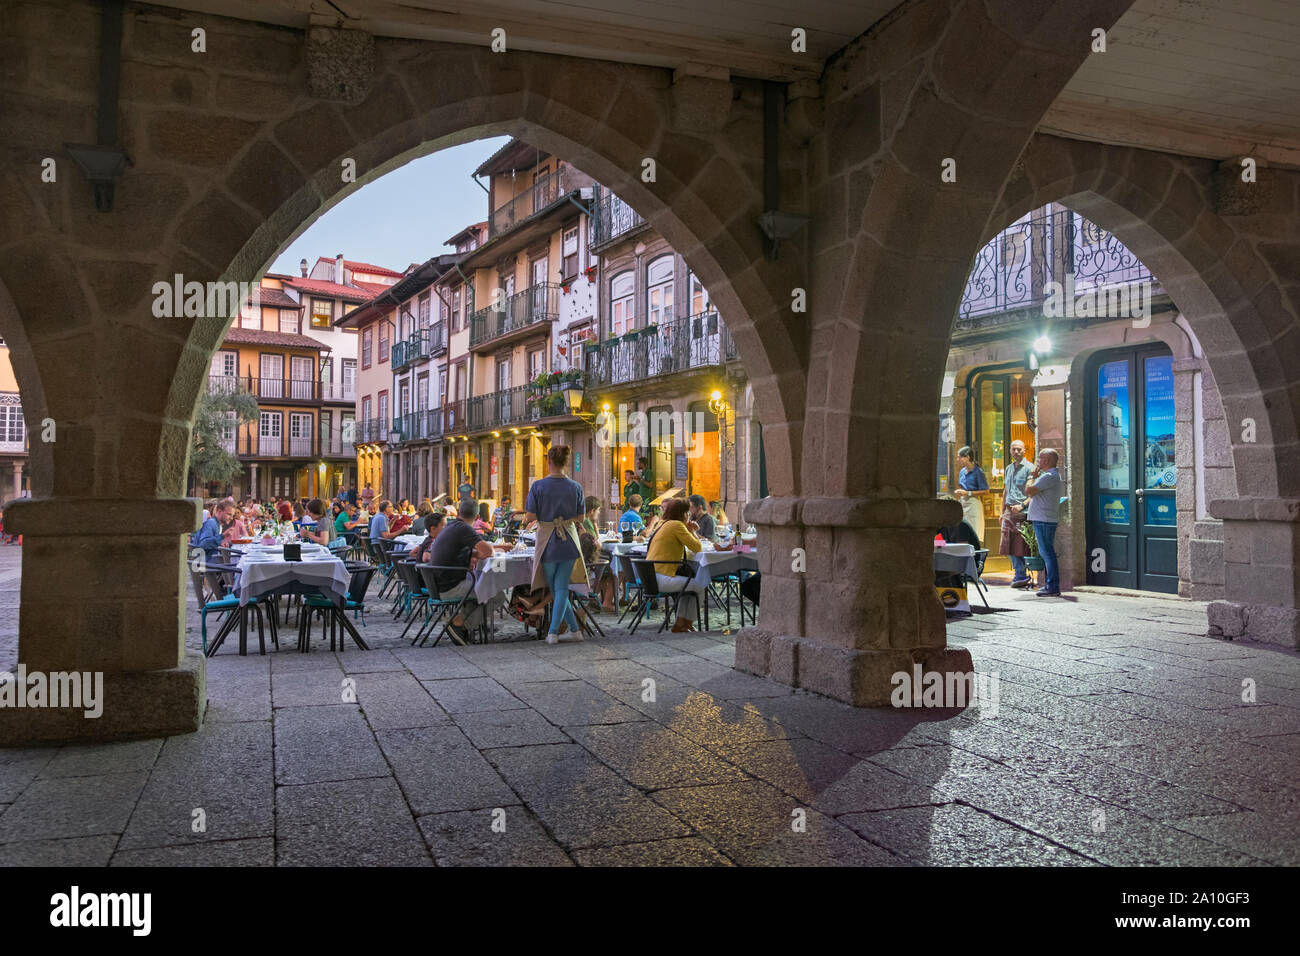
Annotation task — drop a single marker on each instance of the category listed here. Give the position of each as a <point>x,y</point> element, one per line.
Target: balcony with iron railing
<point>610,218</point>
<point>339,443</point>
<point>423,425</point>
<point>398,355</point>
<point>521,311</point>
<point>681,345</point>
<point>267,389</point>
<point>254,445</point>
<point>531,201</point>
<point>339,392</point>
<point>1049,253</point>
<point>371,430</point>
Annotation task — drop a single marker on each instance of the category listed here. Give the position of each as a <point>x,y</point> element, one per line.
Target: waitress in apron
<point>558,504</point>
<point>972,486</point>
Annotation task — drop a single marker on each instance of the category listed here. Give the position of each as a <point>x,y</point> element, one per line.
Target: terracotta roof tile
<point>321,287</point>
<point>241,336</point>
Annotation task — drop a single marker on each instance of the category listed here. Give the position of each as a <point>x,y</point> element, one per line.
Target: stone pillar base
<point>136,704</point>
<point>1255,622</point>
<point>861,677</point>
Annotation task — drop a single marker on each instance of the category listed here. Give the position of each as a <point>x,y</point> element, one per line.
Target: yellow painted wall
<point>8,383</point>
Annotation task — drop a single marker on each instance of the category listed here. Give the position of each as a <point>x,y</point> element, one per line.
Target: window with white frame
<point>322,313</point>
<point>13,430</point>
<point>289,321</point>
<point>659,291</point>
<point>699,296</point>
<point>621,313</point>
<point>569,262</point>
<point>425,315</point>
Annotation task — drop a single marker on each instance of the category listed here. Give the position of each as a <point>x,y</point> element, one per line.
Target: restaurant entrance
<point>1131,469</point>
<point>1000,410</point>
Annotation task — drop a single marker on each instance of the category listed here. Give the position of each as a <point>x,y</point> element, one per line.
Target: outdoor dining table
<point>263,570</point>
<point>506,570</point>
<point>408,541</point>
<point>709,564</point>
<point>956,559</point>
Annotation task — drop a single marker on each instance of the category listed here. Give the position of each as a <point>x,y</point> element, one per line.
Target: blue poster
<point>1114,509</point>
<point>1158,456</point>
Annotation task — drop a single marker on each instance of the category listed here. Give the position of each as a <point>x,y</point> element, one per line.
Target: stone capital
<point>103,517</point>
<point>1285,510</point>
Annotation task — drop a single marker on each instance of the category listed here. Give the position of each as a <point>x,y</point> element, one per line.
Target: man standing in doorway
<point>1044,491</point>
<point>1014,502</point>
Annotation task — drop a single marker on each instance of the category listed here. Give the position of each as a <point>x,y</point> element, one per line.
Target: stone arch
<point>1161,207</point>
<point>704,199</point>
<point>35,409</point>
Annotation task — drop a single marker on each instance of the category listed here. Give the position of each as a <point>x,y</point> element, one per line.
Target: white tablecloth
<point>408,541</point>
<point>711,563</point>
<point>501,572</point>
<point>319,568</point>
<point>956,559</point>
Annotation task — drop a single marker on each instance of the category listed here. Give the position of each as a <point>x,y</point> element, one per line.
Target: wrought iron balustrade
<point>1044,254</point>
<point>537,303</point>
<point>610,218</point>
<point>531,201</point>
<point>700,341</point>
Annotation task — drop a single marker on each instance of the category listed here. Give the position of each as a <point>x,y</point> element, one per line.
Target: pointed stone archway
<point>1225,257</point>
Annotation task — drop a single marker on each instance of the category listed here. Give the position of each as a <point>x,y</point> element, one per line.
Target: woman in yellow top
<point>671,542</point>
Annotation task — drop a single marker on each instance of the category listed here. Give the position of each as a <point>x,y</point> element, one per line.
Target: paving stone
<point>392,701</point>
<point>313,688</point>
<point>472,695</point>
<point>76,851</point>
<point>438,663</point>
<point>227,772</point>
<point>956,835</point>
<point>690,851</point>
<point>86,760</point>
<point>509,728</point>
<point>315,744</point>
<point>255,852</point>
<point>467,838</point>
<point>756,825</point>
<point>65,807</point>
<point>346,823</point>
<point>19,767</point>
<point>1270,838</point>
<point>651,757</point>
<point>574,702</point>
<point>800,767</point>
<point>510,672</point>
<point>582,802</point>
<point>440,770</point>
<point>374,661</point>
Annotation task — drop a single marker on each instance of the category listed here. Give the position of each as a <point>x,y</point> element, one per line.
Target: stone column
<point>18,479</point>
<point>1261,569</point>
<point>256,491</point>
<point>109,599</point>
<point>848,595</point>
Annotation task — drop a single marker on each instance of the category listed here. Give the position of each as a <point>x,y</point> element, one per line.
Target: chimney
<point>338,269</point>
<point>303,266</point>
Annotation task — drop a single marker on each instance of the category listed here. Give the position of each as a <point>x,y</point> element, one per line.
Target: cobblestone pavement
<point>1118,736</point>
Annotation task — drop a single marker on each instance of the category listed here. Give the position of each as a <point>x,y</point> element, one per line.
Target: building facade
<point>659,355</point>
<point>286,351</point>
<point>13,433</point>
<point>1066,340</point>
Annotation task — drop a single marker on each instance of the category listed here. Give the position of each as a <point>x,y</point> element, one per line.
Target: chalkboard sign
<point>679,472</point>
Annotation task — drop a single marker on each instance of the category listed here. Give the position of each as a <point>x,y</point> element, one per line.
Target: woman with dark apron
<point>558,504</point>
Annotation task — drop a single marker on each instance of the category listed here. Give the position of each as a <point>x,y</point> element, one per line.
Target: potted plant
<point>1035,560</point>
<point>591,272</point>
<point>541,383</point>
